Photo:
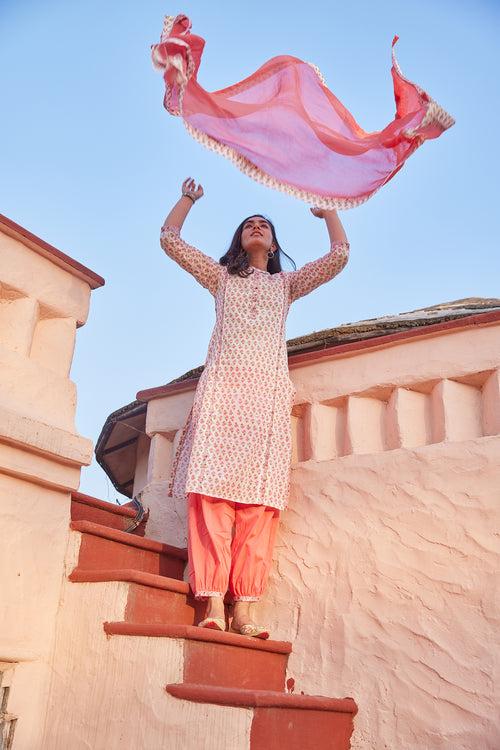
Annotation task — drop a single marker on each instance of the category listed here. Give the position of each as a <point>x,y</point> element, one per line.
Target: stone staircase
<point>216,668</point>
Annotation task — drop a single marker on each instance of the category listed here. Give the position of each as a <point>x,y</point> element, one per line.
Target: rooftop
<point>372,327</point>
<point>116,446</point>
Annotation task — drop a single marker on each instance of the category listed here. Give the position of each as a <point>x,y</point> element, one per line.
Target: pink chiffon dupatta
<point>284,128</point>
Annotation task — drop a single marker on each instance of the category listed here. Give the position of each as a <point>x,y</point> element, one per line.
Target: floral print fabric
<point>236,442</point>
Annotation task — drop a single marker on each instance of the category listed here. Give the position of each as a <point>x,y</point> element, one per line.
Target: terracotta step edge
<point>194,633</point>
<point>129,575</point>
<point>94,502</point>
<point>260,698</point>
<point>116,535</point>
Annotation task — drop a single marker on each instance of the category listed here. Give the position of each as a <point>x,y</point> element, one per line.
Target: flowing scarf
<point>284,128</point>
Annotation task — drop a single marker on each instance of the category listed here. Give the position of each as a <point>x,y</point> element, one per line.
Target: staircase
<point>246,676</point>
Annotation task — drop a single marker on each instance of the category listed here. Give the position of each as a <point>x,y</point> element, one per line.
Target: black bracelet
<point>185,195</point>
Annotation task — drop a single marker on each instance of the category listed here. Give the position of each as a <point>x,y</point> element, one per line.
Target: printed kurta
<point>236,442</point>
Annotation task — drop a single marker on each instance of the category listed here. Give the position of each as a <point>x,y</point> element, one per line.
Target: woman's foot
<point>215,617</point>
<point>243,623</point>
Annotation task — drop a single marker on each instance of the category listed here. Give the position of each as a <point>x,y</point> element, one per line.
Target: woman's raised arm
<point>319,271</point>
<point>205,270</point>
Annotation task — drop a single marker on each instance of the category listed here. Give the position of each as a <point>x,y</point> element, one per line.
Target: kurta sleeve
<point>205,270</point>
<point>319,271</point>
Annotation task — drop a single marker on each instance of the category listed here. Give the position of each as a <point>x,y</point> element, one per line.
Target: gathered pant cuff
<point>246,598</point>
<point>207,594</point>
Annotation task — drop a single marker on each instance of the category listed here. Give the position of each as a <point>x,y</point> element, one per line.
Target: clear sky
<point>91,162</point>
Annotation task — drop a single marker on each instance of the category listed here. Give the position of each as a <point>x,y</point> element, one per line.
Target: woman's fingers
<point>189,184</point>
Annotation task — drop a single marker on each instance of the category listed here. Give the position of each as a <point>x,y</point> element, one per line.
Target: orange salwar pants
<point>230,546</point>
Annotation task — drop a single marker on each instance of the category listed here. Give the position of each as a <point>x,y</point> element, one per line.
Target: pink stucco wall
<point>384,568</point>
<point>384,578</point>
<point>43,296</point>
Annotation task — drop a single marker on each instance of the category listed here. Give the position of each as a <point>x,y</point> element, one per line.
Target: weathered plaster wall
<point>164,420</point>
<point>384,569</point>
<point>386,579</point>
<point>34,536</point>
<point>40,304</point>
<point>40,460</point>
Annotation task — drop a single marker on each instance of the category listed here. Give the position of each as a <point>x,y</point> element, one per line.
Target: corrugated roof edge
<point>129,410</point>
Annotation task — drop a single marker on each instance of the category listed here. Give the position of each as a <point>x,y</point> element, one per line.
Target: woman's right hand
<point>189,188</point>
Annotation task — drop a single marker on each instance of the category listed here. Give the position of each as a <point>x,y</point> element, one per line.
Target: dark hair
<point>236,259</point>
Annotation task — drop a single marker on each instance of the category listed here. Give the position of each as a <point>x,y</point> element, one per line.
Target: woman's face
<point>256,235</point>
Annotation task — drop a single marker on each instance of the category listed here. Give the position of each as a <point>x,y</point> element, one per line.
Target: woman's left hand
<point>318,212</point>
<point>189,188</point>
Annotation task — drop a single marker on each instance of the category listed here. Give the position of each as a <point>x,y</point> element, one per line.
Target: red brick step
<point>219,658</point>
<point>152,599</point>
<point>104,548</point>
<point>219,667</point>
<point>87,508</point>
<point>297,722</point>
<point>130,576</point>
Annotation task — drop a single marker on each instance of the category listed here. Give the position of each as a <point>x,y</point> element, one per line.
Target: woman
<point>233,457</point>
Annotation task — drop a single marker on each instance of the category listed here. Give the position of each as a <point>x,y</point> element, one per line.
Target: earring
<point>270,254</point>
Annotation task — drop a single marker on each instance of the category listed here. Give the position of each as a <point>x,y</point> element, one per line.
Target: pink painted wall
<point>385,566</point>
<point>384,578</point>
<point>42,298</point>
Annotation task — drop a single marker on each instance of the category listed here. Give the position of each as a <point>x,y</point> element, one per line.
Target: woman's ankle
<point>241,611</point>
<point>215,607</point>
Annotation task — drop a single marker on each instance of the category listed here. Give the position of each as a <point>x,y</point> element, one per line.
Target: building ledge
<point>72,266</point>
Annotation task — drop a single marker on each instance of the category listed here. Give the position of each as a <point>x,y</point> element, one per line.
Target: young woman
<point>233,456</point>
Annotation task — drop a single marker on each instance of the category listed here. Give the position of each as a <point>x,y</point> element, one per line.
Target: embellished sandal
<point>213,623</point>
<point>254,631</point>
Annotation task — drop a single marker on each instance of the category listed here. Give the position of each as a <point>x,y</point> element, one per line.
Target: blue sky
<point>91,162</point>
